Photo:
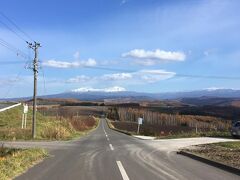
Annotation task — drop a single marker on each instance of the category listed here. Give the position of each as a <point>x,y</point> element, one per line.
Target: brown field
<point>71,111</point>
<point>161,118</point>
<point>150,129</point>
<point>162,124</point>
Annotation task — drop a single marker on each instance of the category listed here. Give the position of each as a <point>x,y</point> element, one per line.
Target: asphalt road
<point>105,154</point>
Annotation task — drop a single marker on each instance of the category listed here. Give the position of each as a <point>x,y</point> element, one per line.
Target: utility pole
<point>35,47</point>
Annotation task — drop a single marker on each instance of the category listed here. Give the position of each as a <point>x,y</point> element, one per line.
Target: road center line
<point>122,171</point>
<point>103,127</point>
<point>111,147</point>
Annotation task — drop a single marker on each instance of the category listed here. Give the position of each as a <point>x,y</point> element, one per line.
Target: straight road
<point>105,154</point>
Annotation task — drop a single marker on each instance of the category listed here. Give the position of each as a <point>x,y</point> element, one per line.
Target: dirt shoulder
<point>224,152</point>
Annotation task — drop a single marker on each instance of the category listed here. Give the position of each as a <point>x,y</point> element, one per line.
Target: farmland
<point>170,119</point>
<point>52,123</point>
<point>161,118</point>
<point>173,119</point>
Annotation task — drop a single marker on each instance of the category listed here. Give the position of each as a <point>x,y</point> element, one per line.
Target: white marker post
<point>24,116</point>
<point>140,121</point>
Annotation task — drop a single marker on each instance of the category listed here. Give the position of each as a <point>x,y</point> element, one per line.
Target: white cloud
<point>139,77</point>
<point>76,55</point>
<point>209,52</point>
<point>117,76</point>
<point>89,62</point>
<point>109,89</point>
<point>60,64</point>
<point>151,76</point>
<point>65,64</point>
<point>79,79</point>
<point>219,88</point>
<point>156,55</point>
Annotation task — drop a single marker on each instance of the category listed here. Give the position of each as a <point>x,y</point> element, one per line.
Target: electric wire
<point>15,50</point>
<point>44,82</point>
<point>16,79</point>
<point>16,26</point>
<point>13,31</point>
<point>108,69</point>
<point>133,71</point>
<point>209,76</point>
<point>174,75</point>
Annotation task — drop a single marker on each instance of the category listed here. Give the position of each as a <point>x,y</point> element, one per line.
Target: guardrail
<point>10,107</point>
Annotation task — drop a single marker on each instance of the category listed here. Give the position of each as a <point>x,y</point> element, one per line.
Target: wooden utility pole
<point>35,47</point>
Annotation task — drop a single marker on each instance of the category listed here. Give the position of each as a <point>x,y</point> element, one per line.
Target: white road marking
<point>108,139</point>
<point>106,135</point>
<point>103,127</point>
<point>111,147</point>
<point>122,171</point>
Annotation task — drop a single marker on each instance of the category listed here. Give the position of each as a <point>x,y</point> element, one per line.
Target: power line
<point>109,69</point>
<point>16,79</point>
<point>20,37</point>
<point>16,26</point>
<point>10,62</point>
<point>12,48</point>
<point>159,73</point>
<point>8,45</point>
<point>176,75</point>
<point>44,82</point>
<point>209,76</point>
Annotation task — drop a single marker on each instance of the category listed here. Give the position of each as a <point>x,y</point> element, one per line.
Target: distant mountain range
<point>101,95</point>
<point>130,95</point>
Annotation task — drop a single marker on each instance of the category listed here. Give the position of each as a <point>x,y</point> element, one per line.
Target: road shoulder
<point>210,162</point>
<point>223,155</point>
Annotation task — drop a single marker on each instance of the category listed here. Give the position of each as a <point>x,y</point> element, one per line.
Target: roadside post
<point>24,116</point>
<point>140,121</point>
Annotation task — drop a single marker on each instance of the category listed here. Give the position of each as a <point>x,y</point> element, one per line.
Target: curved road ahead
<point>105,154</point>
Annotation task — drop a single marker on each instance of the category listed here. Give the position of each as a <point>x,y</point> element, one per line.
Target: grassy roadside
<point>111,126</point>
<point>48,128</point>
<point>13,162</point>
<point>223,152</point>
<point>222,134</point>
<point>230,145</point>
<point>86,131</point>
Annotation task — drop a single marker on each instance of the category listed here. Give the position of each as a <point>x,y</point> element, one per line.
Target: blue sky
<point>151,42</point>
